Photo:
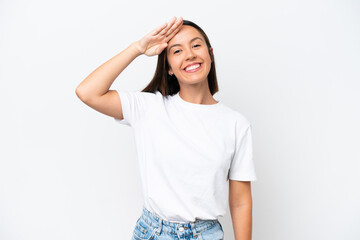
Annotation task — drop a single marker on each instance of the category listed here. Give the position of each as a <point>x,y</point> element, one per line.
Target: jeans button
<point>181,229</point>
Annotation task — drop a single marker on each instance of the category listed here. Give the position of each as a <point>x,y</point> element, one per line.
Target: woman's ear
<point>211,54</point>
<point>170,72</point>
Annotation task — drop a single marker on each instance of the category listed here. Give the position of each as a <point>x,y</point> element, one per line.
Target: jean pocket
<point>143,231</point>
<point>215,232</point>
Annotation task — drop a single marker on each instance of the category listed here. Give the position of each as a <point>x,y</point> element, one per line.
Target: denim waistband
<point>184,229</point>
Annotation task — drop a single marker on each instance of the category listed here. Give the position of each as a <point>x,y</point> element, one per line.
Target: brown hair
<point>169,85</point>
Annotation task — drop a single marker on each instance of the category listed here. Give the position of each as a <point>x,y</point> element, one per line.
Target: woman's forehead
<point>186,34</point>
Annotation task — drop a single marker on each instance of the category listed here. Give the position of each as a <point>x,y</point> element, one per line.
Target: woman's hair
<point>169,85</point>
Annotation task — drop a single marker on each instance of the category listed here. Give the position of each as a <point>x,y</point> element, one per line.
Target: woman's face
<point>188,56</point>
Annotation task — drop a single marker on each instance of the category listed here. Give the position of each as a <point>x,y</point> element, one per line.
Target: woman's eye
<point>176,51</point>
<point>197,45</point>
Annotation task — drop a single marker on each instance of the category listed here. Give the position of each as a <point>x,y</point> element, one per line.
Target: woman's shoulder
<point>234,114</point>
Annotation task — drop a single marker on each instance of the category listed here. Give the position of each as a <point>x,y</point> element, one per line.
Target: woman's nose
<point>190,54</point>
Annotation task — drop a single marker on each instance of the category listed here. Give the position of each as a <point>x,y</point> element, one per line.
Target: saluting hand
<point>156,41</point>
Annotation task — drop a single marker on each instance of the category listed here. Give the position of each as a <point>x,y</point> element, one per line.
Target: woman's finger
<point>176,26</point>
<point>169,25</point>
<point>158,29</point>
<point>172,34</point>
<point>160,48</point>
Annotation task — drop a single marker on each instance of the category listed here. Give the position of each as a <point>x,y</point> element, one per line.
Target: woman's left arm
<point>240,204</point>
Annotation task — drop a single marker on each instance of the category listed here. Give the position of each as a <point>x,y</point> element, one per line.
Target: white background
<point>291,67</point>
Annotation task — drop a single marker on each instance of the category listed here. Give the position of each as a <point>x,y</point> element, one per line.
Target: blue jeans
<point>151,227</point>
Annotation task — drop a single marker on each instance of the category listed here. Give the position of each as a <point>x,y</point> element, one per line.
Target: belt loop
<point>160,226</point>
<point>193,229</point>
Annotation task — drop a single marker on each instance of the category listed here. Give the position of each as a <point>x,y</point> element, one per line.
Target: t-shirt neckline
<point>195,105</point>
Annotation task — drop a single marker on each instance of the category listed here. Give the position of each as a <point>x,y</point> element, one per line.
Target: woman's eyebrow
<point>177,44</point>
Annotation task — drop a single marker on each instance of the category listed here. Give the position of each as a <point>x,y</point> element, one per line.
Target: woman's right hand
<point>156,41</point>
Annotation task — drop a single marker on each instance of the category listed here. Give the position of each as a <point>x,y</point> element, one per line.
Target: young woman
<point>189,144</point>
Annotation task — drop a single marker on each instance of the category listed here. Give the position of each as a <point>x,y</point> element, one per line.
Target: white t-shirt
<point>186,153</point>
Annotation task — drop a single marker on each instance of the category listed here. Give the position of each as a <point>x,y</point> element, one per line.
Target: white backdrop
<point>291,67</point>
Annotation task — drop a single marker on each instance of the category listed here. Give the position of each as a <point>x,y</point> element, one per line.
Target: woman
<point>189,145</point>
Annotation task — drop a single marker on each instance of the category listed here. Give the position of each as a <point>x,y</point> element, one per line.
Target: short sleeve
<point>242,165</point>
<point>133,106</point>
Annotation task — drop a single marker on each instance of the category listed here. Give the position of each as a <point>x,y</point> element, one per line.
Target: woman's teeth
<point>192,67</point>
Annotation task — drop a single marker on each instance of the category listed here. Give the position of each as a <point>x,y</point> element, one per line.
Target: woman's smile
<point>193,68</point>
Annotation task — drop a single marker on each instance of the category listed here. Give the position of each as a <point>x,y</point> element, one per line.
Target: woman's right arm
<point>94,89</point>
